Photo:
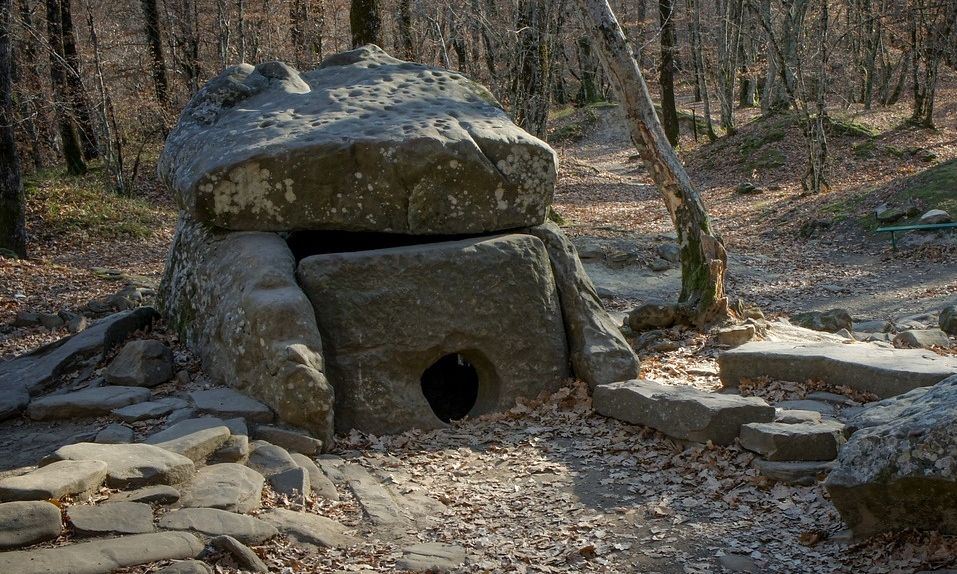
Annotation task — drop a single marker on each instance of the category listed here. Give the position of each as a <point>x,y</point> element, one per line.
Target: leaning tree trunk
<point>13,235</point>
<point>703,257</point>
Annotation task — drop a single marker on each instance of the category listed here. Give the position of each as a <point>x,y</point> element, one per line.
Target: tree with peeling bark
<point>703,258</point>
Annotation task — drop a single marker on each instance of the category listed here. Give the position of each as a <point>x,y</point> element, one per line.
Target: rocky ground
<point>550,486</point>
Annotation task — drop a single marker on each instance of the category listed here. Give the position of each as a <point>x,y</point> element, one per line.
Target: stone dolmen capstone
<point>364,246</point>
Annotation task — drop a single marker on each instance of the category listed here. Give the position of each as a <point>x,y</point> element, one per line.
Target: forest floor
<point>551,486</point>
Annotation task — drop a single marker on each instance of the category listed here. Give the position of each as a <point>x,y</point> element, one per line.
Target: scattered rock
<point>131,465</point>
<point>195,439</point>
<point>25,523</point>
<point>739,563</point>
<point>269,459</point>
<point>114,434</point>
<point>142,363</point>
<point>819,407</point>
<point>308,528</point>
<point>830,321</point>
<point>669,252</point>
<point>214,522</point>
<point>923,338</point>
<point>884,372</point>
<point>186,567</point>
<point>790,417</point>
<point>26,319</point>
<point>160,494</point>
<point>935,216</point>
<point>293,483</point>
<point>682,412</point>
<point>658,265</point>
<point>793,442</point>
<point>431,557</point>
<point>74,322</point>
<point>55,481</point>
<point>226,486</point>
<point>51,321</point>
<point>320,483</point>
<point>747,188</point>
<point>143,411</point>
<point>246,559</point>
<point>890,214</point>
<point>290,440</point>
<point>101,556</point>
<point>111,518</point>
<point>833,398</point>
<point>235,449</point>
<point>651,316</point>
<point>948,320</point>
<point>92,402</point>
<point>735,336</point>
<point>798,473</point>
<point>227,403</point>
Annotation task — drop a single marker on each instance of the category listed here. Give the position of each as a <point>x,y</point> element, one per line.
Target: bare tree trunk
<point>703,257</point>
<point>72,148</point>
<point>81,105</point>
<point>241,16</point>
<point>155,44</point>
<point>404,25</point>
<point>366,22</point>
<point>112,152</point>
<point>815,177</point>
<point>223,32</point>
<point>31,93</point>
<point>298,18</point>
<point>666,71</point>
<point>730,27</point>
<point>701,67</point>
<point>13,236</point>
<point>531,74</point>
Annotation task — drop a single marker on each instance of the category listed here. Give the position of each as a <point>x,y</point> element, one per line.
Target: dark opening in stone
<point>451,386</point>
<point>306,243</point>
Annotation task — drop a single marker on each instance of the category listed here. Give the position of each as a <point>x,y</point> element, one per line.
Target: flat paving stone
<point>318,481</point>
<point>792,442</point>
<point>682,412</point>
<point>93,402</point>
<point>215,522</point>
<point>195,439</point>
<point>292,441</point>
<point>114,434</point>
<point>186,567</point>
<point>227,403</point>
<point>103,556</point>
<point>56,480</point>
<point>27,522</point>
<point>111,518</point>
<point>227,486</point>
<point>308,528</point>
<point>131,465</point>
<point>143,411</point>
<point>160,494</point>
<point>864,367</point>
<point>431,557</point>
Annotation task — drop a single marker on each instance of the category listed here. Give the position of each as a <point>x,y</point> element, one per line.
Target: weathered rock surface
<point>796,416</point>
<point>388,315</point>
<point>308,528</point>
<point>293,483</point>
<point>235,449</point>
<point>27,522</point>
<point>800,473</point>
<point>142,363</point>
<point>111,518</point>
<point>195,439</point>
<point>251,324</point>
<point>114,434</point>
<point>793,442</point>
<point>934,216</point>
<point>240,160</point>
<point>226,486</point>
<point>228,403</point>
<point>143,411</point>
<point>885,411</point>
<point>654,315</point>
<point>289,439</point>
<point>884,372</point>
<point>246,559</point>
<point>161,494</point>
<point>102,556</point>
<point>903,473</point>
<point>214,522</point>
<point>55,481</point>
<point>681,412</point>
<point>948,320</point>
<point>29,374</point>
<point>269,459</point>
<point>599,352</point>
<point>131,465</point>
<point>831,321</point>
<point>92,402</point>
<point>431,557</point>
<point>922,338</point>
<point>320,483</point>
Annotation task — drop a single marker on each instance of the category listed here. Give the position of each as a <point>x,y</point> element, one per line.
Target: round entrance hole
<point>451,386</point>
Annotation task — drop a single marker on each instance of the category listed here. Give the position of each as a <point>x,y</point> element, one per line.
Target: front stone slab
<point>365,142</point>
<point>478,316</point>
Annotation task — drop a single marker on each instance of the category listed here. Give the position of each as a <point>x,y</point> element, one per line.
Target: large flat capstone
<point>682,412</point>
<point>388,315</point>
<point>884,372</point>
<point>365,142</point>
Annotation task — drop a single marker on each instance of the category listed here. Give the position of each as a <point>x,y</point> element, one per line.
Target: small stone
<point>308,528</point>
<point>833,398</point>
<point>92,402</point>
<point>142,363</point>
<point>111,518</point>
<point>734,336</point>
<point>791,417</point>
<point>293,483</point>
<point>186,567</point>
<point>114,434</point>
<point>798,473</point>
<point>26,523</point>
<point>74,322</point>
<point>747,188</point>
<point>227,486</point>
<point>180,415</point>
<point>320,483</point>
<point>658,264</point>
<point>935,216</point>
<point>807,405</point>
<point>26,319</point>
<point>227,403</point>
<point>143,411</point>
<point>790,442</point>
<point>948,320</point>
<point>160,494</point>
<point>431,557</point>
<point>195,439</point>
<point>245,558</point>
<point>739,563</point>
<point>55,481</point>
<point>292,441</point>
<point>269,459</point>
<point>669,252</point>
<point>235,449</point>
<point>51,321</point>
<point>922,338</point>
<point>651,316</point>
<point>214,522</point>
<point>830,321</point>
<point>131,465</point>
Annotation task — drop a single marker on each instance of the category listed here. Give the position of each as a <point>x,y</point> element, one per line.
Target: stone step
<point>865,367</point>
<point>92,402</point>
<point>798,473</point>
<point>794,442</point>
<point>682,412</point>
<point>55,481</point>
<point>131,465</point>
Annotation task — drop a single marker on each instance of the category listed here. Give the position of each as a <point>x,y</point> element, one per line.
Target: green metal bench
<point>902,228</point>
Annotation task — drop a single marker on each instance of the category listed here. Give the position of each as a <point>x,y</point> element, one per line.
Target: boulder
<point>431,557</point>
<point>27,522</point>
<point>948,320</point>
<point>884,372</point>
<point>270,148</point>
<point>226,486</point>
<point>55,481</point>
<point>111,518</point>
<point>91,402</point>
<point>214,522</point>
<point>794,441</point>
<point>935,216</point>
<point>102,556</point>
<point>903,473</point>
<point>195,439</point>
<point>682,412</point>
<point>308,528</point>
<point>830,321</point>
<point>922,338</point>
<point>131,465</point>
<point>142,363</point>
<point>482,310</point>
<point>251,324</point>
<point>651,316</point>
<point>599,352</point>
